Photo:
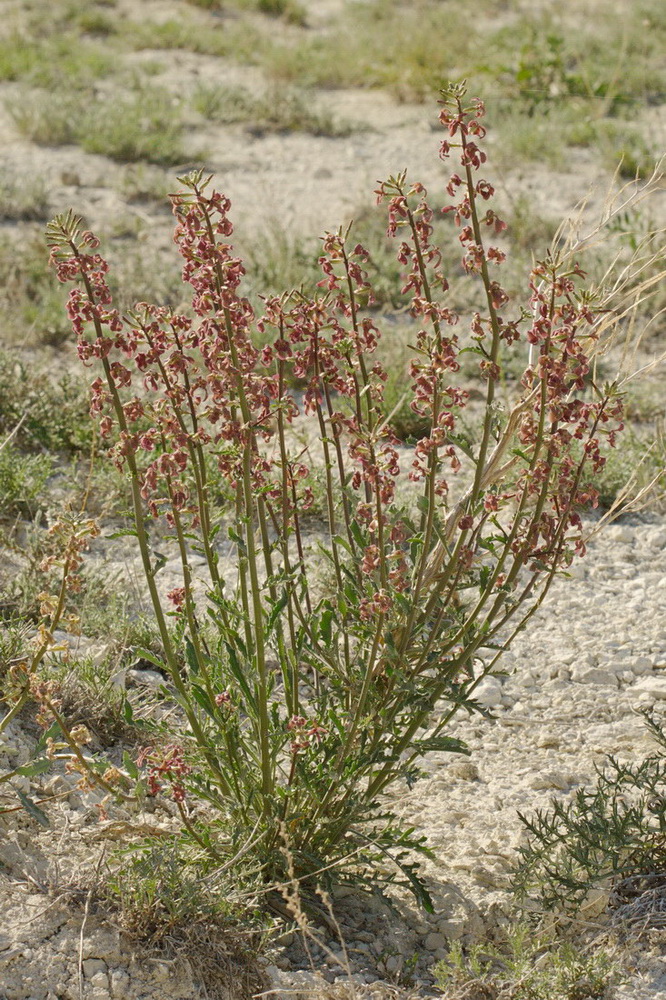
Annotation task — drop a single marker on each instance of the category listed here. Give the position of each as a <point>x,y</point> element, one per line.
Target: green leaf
<point>325,629</point>
<point>417,885</point>
<point>130,766</point>
<point>275,612</point>
<point>128,711</point>
<point>202,697</point>
<point>160,563</point>
<point>145,654</point>
<point>235,537</point>
<point>237,671</point>
<point>463,444</point>
<point>54,732</point>
<point>34,767</point>
<point>191,656</point>
<point>342,542</point>
<point>33,809</point>
<point>446,743</point>
<point>357,534</point>
<point>123,533</point>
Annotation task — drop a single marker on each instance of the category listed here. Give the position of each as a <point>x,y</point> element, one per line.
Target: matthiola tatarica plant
<point>306,696</point>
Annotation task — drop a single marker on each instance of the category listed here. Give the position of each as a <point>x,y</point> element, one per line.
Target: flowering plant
<point>306,699</point>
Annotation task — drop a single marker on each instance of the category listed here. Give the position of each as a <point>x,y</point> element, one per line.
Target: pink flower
<point>177,597</point>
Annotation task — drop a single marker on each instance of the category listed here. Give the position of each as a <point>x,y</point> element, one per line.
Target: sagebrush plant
<point>302,703</point>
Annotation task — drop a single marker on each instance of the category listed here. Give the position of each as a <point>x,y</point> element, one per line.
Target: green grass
<point>140,183</point>
<point>240,41</point>
<point>289,10</point>
<point>379,44</point>
<point>52,411</point>
<point>31,303</point>
<point>143,125</point>
<point>638,461</point>
<point>65,62</point>
<point>46,118</point>
<point>22,481</point>
<point>278,109</point>
<point>23,197</point>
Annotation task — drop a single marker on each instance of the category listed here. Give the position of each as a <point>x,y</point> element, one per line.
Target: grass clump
<point>637,467</point>
<point>161,903</point>
<point>243,42</point>
<point>143,125</point>
<point>47,414</point>
<point>22,481</point>
<point>49,61</point>
<point>378,44</point>
<point>288,10</point>
<point>279,109</point>
<point>23,197</point>
<point>30,304</point>
<point>140,183</point>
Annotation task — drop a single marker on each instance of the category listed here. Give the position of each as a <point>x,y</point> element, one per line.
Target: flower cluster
<point>304,733</point>
<point>165,765</point>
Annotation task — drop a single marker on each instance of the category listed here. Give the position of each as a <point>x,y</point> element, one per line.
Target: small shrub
<point>160,902</point>
<point>608,833</point>
<point>527,967</point>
